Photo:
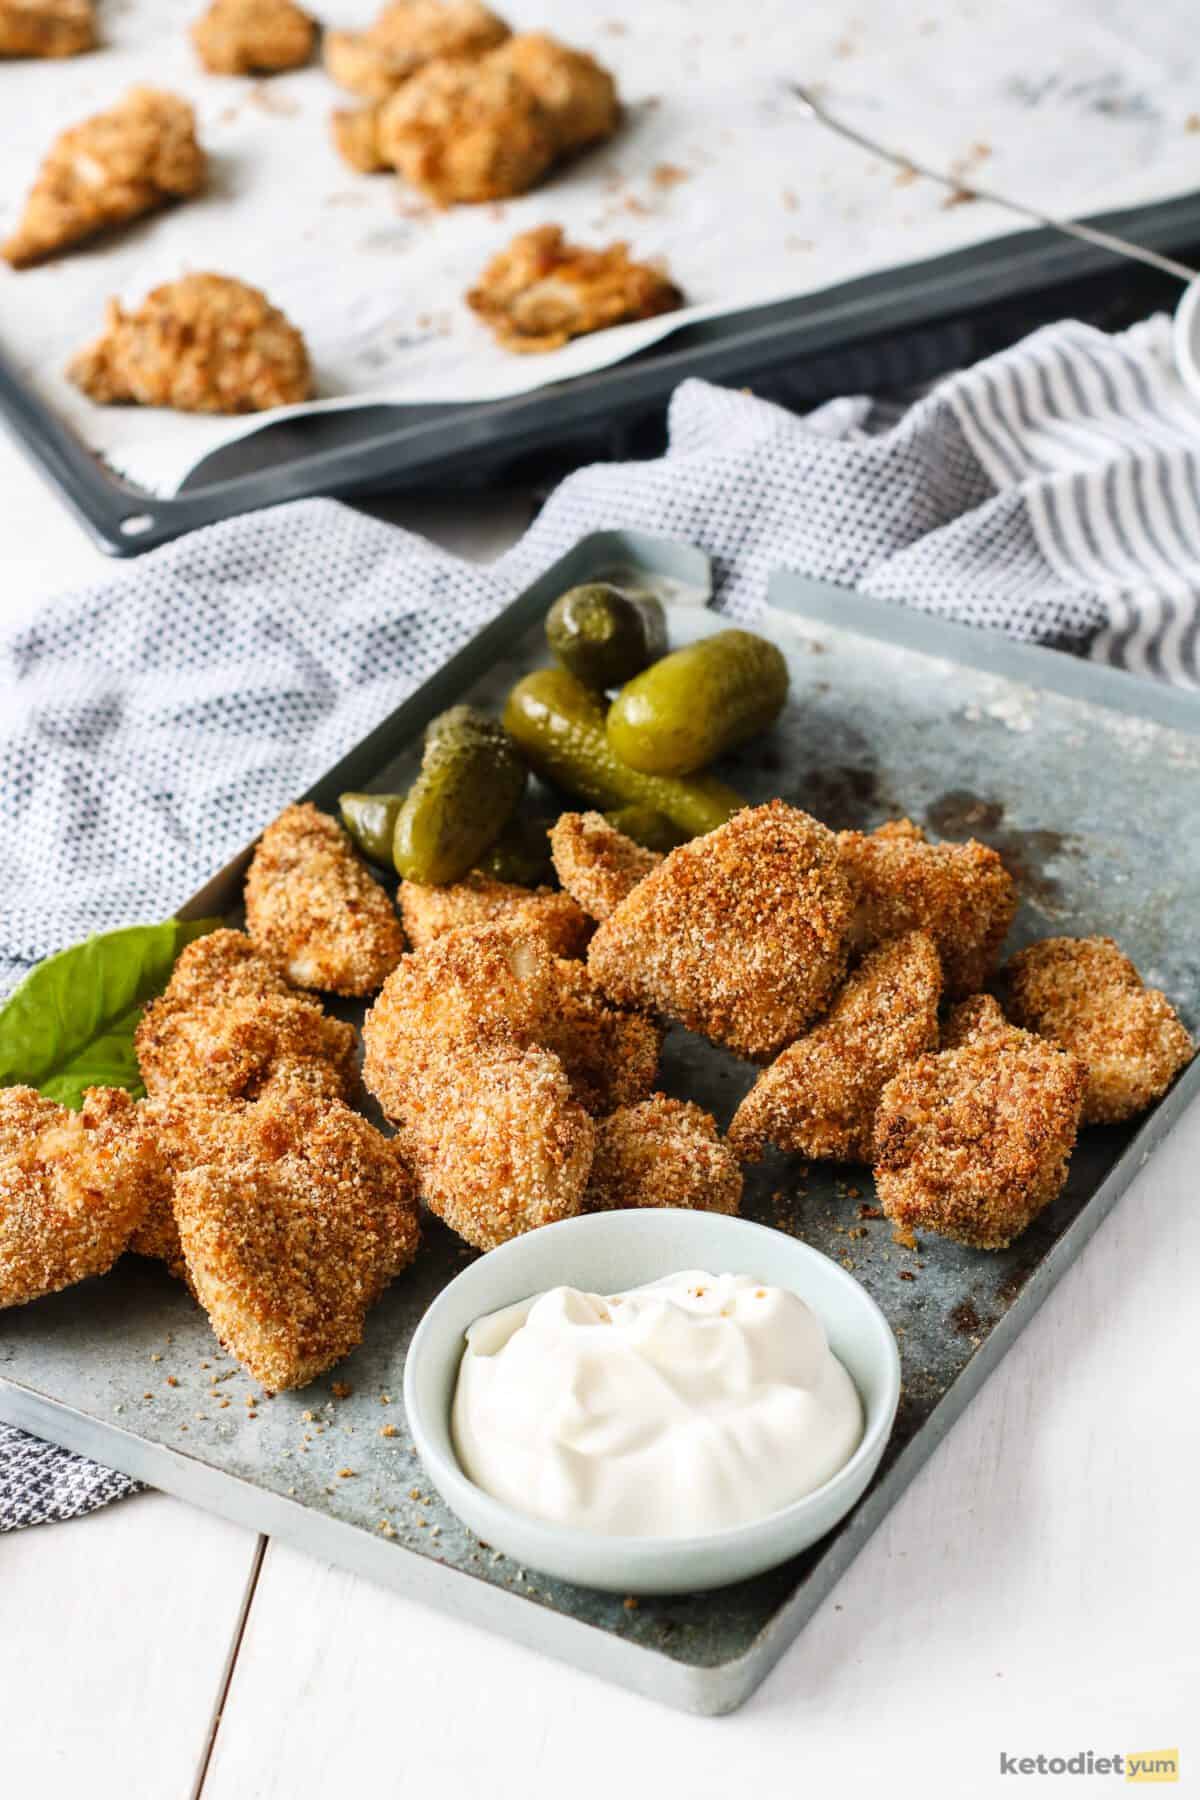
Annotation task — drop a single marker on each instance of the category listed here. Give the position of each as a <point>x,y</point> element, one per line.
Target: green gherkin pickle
<point>470,783</point>
<point>697,703</point>
<point>603,636</point>
<point>558,724</point>
<point>520,855</point>
<point>371,821</point>
<point>652,830</point>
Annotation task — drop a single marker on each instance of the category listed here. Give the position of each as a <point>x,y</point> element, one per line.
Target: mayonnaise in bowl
<point>688,1406</point>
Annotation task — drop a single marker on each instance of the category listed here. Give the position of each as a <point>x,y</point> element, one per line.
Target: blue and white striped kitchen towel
<point>153,722</point>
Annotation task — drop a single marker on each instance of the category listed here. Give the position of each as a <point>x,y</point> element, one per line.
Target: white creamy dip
<point>692,1404</point>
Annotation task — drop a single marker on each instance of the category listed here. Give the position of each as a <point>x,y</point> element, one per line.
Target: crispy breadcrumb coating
<point>961,894</point>
<point>597,864</point>
<point>73,1188</point>
<point>115,166</point>
<point>740,935</point>
<point>610,1055</point>
<point>430,912</point>
<point>253,37</point>
<point>541,291</point>
<point>46,27</point>
<point>485,981</point>
<point>973,1142</point>
<point>293,1231</point>
<point>355,132</point>
<point>407,35</point>
<point>313,908</point>
<point>577,92</point>
<point>205,343</point>
<point>1086,996</point>
<point>819,1097</point>
<point>973,1021</point>
<point>464,132</point>
<point>662,1153</point>
<point>507,1147</point>
<point>181,1131</point>
<point>228,1027</point>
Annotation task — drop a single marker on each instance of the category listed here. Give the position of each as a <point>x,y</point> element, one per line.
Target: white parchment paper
<point>1080,106</point>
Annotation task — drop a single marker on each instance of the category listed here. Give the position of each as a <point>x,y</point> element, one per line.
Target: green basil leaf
<point>70,1024</point>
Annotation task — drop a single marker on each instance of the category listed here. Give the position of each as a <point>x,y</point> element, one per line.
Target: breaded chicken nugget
<point>73,1188</point>
<point>961,894</point>
<point>819,1097</point>
<point>220,965</point>
<point>293,1231</point>
<point>507,1147</point>
<point>740,935</point>
<point>1086,996</point>
<point>973,1021</point>
<point>182,1130</point>
<point>662,1153</point>
<point>973,1142</point>
<point>597,864</point>
<point>117,165</point>
<point>610,1055</point>
<point>540,291</point>
<point>464,132</point>
<point>407,35</point>
<point>485,982</point>
<point>205,343</point>
<point>253,37</point>
<point>312,907</point>
<point>355,132</point>
<point>430,912</point>
<point>577,92</point>
<point>46,27</point>
<point>243,1047</point>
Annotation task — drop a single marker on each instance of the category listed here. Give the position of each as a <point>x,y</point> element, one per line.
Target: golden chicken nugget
<point>136,157</point>
<point>507,1148</point>
<point>973,1021</point>
<point>961,894</point>
<point>975,1141</point>
<point>73,1188</point>
<point>430,912</point>
<point>313,908</point>
<point>407,35</point>
<point>50,28</point>
<point>819,1097</point>
<point>577,92</point>
<point>355,132</point>
<point>740,935</point>
<point>292,1231</point>
<point>485,981</point>
<point>662,1152</point>
<point>253,37</point>
<point>1087,997</point>
<point>464,132</point>
<point>610,1054</point>
<point>597,864</point>
<point>541,291</point>
<point>206,343</point>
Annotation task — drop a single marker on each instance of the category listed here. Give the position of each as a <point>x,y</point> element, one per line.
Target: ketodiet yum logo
<point>1127,1765</point>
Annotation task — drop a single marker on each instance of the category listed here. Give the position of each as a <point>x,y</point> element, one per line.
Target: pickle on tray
<point>371,821</point>
<point>603,636</point>
<point>652,830</point>
<point>693,705</point>
<point>471,780</point>
<point>558,724</point>
<point>520,855</point>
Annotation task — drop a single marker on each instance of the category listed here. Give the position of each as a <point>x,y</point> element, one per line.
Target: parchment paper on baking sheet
<point>1077,107</point>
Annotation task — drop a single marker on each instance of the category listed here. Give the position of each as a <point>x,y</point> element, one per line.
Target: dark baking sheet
<point>1084,778</point>
<point>884,331</point>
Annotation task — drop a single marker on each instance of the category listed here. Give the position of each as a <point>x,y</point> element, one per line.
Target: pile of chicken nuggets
<point>514,1042</point>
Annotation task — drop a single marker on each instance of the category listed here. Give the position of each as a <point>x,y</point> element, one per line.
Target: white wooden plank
<point>115,1637</point>
<point>1025,1595</point>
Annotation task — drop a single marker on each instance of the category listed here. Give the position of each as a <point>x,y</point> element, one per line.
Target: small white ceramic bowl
<point>604,1253</point>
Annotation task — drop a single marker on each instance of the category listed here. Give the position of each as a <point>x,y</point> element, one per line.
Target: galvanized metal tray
<point>904,325</point>
<point>1083,778</point>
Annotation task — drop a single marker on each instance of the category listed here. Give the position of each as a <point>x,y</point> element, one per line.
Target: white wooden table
<point>1035,1590</point>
